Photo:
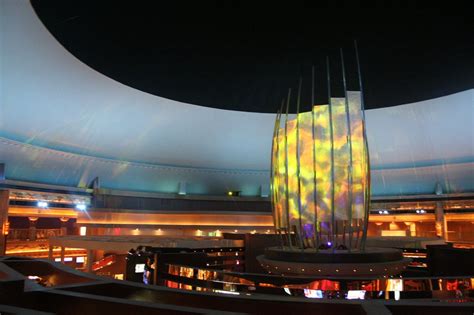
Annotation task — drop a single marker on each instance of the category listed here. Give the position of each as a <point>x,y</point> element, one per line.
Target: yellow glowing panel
<point>302,181</point>
<point>306,170</point>
<point>280,181</point>
<point>292,179</point>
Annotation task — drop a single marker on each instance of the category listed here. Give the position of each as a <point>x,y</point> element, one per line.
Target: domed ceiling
<point>62,122</point>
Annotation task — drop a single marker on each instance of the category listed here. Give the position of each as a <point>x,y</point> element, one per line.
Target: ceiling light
<point>42,204</point>
<point>81,207</point>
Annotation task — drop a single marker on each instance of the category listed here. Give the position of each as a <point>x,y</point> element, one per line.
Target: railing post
<point>4,202</point>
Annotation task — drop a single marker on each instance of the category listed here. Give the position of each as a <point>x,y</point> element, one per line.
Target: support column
<point>64,226</point>
<point>90,257</point>
<point>155,272</point>
<point>50,252</point>
<point>32,228</point>
<point>441,223</point>
<point>4,201</point>
<point>63,251</point>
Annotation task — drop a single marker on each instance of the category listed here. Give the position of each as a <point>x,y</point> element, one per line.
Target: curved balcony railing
<point>393,288</point>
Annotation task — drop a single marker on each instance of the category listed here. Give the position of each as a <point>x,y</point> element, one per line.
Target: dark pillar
<point>441,224</point>
<point>63,253</point>
<point>90,258</point>
<point>32,228</point>
<point>64,225</point>
<point>4,201</point>
<point>50,252</point>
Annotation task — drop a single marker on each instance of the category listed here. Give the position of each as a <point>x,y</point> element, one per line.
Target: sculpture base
<point>333,263</point>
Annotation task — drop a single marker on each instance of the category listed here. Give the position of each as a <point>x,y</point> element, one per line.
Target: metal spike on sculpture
<point>320,178</point>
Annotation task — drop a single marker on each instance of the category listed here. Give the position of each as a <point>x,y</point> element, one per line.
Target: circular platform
<point>334,263</point>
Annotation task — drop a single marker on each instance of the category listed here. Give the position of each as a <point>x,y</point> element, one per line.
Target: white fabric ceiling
<point>61,122</point>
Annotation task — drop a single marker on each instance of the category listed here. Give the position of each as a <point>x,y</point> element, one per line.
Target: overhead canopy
<point>63,123</point>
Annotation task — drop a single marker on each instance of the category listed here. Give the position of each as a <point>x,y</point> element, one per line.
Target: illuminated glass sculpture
<point>320,192</point>
<point>320,186</point>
